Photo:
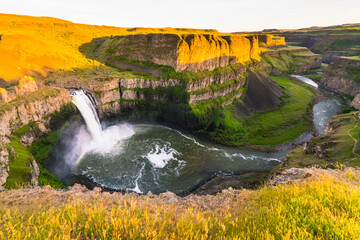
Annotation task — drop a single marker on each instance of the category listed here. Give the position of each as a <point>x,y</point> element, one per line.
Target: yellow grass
<point>322,208</point>
<point>35,45</point>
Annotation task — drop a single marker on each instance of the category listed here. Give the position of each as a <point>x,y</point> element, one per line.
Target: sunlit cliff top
<point>37,45</point>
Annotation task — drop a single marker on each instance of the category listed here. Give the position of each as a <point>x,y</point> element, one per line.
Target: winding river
<point>326,108</point>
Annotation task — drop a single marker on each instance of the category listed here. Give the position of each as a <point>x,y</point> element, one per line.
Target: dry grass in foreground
<point>323,207</point>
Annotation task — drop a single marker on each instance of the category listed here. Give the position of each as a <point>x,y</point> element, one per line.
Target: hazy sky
<point>224,15</point>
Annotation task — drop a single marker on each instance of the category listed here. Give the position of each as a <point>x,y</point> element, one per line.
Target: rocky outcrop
<point>319,149</point>
<point>342,76</point>
<point>35,172</point>
<point>355,103</point>
<point>200,52</point>
<point>31,108</point>
<point>267,40</point>
<point>26,85</point>
<point>4,96</point>
<point>294,175</point>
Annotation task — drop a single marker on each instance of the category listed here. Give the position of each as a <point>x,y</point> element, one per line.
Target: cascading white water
<point>95,139</point>
<point>87,110</point>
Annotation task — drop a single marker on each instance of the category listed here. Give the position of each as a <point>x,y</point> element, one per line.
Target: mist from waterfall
<point>93,138</point>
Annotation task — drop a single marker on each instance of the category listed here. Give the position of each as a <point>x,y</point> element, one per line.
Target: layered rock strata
<point>329,45</point>
<point>193,52</point>
<point>31,108</point>
<point>290,59</point>
<point>343,76</point>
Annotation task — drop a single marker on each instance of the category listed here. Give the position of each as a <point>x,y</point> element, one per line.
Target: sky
<point>223,15</point>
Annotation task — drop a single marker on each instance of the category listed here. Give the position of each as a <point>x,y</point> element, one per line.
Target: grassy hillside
<point>338,146</point>
<point>36,45</point>
<point>322,207</point>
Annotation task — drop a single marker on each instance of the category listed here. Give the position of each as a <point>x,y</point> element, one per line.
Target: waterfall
<point>87,110</point>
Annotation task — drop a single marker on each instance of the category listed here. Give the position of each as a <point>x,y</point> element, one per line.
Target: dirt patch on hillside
<point>262,94</point>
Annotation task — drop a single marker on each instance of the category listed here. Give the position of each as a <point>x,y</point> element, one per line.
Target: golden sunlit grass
<point>321,208</point>
<point>33,45</point>
<point>37,45</point>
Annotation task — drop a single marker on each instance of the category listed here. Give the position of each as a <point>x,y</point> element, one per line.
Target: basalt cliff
<point>342,76</point>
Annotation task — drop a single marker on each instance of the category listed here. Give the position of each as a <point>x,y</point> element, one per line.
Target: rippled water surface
<point>325,109</point>
<point>159,158</point>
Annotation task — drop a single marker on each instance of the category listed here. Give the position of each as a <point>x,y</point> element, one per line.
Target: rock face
<point>356,102</point>
<point>26,85</point>
<point>4,158</point>
<point>290,59</point>
<point>31,108</point>
<point>342,76</point>
<point>4,97</point>
<point>262,93</point>
<point>193,52</point>
<point>271,40</point>
<point>300,174</point>
<point>117,96</point>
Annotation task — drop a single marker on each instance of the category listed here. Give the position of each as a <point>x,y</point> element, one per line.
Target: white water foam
<point>159,157</point>
<point>252,157</point>
<point>136,188</point>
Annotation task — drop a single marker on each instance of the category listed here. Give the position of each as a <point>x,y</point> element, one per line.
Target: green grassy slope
<point>270,127</point>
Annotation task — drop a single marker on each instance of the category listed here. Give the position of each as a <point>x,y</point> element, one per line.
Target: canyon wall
<point>342,76</point>
<point>34,113</point>
<point>193,52</point>
<point>31,108</point>
<point>289,60</point>
<point>267,40</point>
<point>331,46</point>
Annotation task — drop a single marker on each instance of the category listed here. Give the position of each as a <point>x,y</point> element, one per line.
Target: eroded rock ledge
<point>192,52</point>
<point>342,76</point>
